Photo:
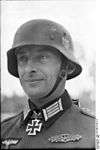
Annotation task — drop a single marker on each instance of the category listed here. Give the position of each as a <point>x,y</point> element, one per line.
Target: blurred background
<point>79,18</point>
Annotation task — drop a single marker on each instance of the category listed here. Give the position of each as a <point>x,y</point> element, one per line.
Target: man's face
<point>38,69</point>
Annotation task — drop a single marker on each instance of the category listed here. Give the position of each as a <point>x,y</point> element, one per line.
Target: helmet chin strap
<point>60,77</point>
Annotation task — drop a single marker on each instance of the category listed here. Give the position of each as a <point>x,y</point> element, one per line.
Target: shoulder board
<point>76,102</point>
<point>87,112</point>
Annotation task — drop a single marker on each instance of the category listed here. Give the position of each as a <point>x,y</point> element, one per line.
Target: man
<point>42,57</point>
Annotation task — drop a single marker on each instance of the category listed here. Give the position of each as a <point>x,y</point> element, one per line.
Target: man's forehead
<point>36,49</point>
<point>28,49</point>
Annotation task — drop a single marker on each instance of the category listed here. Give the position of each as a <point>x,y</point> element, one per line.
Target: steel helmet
<point>43,32</point>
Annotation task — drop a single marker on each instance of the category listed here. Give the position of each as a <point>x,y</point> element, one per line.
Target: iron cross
<point>33,127</point>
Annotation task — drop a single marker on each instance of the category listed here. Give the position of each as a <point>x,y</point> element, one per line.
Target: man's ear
<point>63,73</point>
<point>68,70</point>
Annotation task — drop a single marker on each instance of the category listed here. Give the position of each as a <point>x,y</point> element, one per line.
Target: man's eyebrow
<point>49,51</point>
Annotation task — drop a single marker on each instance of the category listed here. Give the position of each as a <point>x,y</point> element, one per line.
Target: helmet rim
<point>13,69</point>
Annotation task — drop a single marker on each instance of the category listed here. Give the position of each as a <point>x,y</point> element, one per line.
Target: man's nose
<point>31,67</point>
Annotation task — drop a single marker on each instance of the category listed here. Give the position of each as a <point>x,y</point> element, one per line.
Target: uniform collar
<point>50,111</point>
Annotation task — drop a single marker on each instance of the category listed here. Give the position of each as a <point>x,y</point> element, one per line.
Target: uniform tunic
<point>70,121</point>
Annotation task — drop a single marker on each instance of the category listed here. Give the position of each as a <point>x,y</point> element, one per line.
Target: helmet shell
<point>43,32</point>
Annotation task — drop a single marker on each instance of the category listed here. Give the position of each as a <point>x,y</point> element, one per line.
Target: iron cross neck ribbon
<point>34,125</point>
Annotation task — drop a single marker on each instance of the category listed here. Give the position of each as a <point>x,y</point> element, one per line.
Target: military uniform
<point>68,128</point>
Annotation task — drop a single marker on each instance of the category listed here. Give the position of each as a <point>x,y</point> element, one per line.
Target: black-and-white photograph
<point>48,74</point>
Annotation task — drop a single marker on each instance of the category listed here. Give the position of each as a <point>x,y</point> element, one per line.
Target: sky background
<point>78,17</point>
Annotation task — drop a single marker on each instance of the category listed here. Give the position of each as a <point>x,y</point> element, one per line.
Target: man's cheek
<point>52,79</point>
<point>21,71</point>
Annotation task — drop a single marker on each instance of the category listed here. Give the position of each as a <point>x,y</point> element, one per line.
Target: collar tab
<point>52,109</point>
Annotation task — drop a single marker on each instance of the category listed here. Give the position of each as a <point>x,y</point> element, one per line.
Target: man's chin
<point>36,94</point>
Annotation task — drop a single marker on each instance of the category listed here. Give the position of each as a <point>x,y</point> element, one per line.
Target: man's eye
<point>22,59</point>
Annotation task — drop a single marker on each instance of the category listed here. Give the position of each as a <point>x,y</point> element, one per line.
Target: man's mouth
<point>33,80</point>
